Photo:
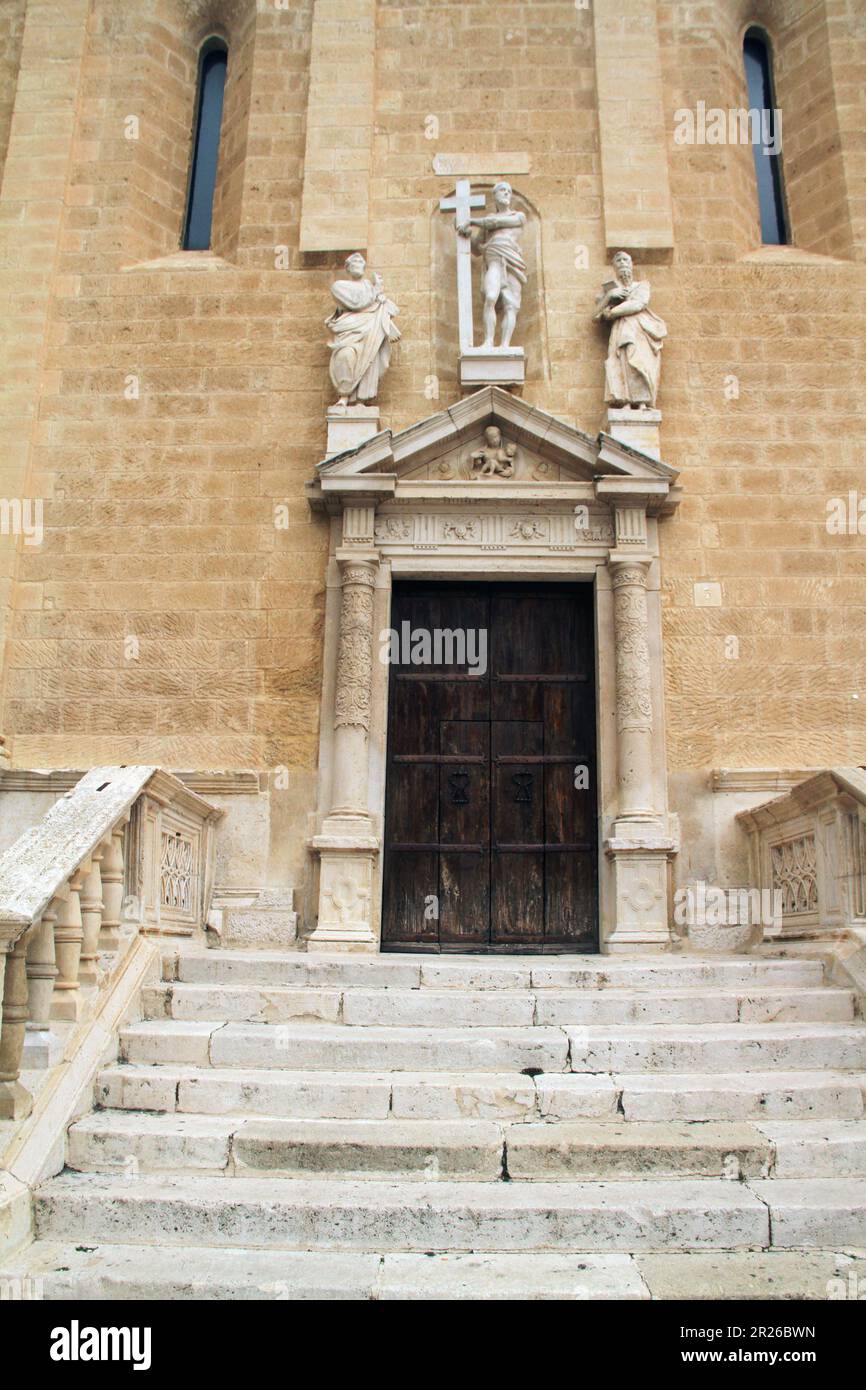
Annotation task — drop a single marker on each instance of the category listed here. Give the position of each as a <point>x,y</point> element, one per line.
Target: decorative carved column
<point>353,698</point>
<point>639,846</point>
<point>634,714</point>
<point>347,845</point>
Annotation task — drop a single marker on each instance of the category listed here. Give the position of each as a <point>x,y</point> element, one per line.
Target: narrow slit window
<point>766,140</point>
<point>213,64</point>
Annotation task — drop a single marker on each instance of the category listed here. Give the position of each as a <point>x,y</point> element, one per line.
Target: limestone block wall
<point>169,408</point>
<point>11,33</point>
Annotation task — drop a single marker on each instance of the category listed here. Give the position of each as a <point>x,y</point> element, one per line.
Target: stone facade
<point>168,408</point>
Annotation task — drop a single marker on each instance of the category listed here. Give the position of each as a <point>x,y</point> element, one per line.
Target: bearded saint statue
<point>634,356</point>
<point>363,333</point>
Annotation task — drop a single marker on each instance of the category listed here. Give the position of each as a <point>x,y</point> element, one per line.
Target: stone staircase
<point>283,1125</point>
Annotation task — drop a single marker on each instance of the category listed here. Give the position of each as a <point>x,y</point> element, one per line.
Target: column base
<point>67,1006</point>
<point>640,871</point>
<point>345,920</point>
<point>16,1102</point>
<point>42,1050</point>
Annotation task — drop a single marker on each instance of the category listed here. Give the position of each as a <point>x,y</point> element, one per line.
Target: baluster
<point>68,936</point>
<point>91,919</point>
<point>15,1102</point>
<point>112,888</point>
<point>41,974</point>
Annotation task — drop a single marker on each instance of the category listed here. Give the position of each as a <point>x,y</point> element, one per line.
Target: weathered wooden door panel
<point>517,814</point>
<point>491,834</point>
<point>464,834</point>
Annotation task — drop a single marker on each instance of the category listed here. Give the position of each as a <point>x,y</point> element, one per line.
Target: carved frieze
<point>555,531</point>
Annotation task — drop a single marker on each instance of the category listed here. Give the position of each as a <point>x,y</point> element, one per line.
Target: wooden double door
<point>491,796</point>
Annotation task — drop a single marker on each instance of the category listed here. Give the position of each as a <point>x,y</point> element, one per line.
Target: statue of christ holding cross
<point>496,239</point>
<point>504,266</point>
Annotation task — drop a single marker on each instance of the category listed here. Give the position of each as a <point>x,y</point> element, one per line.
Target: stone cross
<point>462,204</point>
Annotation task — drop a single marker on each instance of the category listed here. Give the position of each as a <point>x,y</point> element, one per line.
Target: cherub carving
<point>494,459</point>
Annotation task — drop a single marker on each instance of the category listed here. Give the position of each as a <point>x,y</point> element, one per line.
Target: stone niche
<point>531,333</point>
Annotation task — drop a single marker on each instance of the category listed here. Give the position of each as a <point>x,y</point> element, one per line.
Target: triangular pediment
<point>541,448</point>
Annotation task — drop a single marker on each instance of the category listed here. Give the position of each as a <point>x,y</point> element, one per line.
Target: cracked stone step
<point>110,1140</point>
<point>205,1091</point>
<point>586,1151</point>
<point>241,1004</point>
<point>697,972</point>
<point>719,1047</point>
<point>334,1214</point>
<point>332,1095</point>
<point>480,1095</point>
<point>660,1047</point>
<point>748,1274</point>
<point>817,1148</point>
<point>207,1273</point>
<point>769,1095</point>
<point>489,1009</point>
<point>273,969</point>
<point>827,1213</point>
<point>701,1006</point>
<point>332,1048</point>
<point>434,1150</point>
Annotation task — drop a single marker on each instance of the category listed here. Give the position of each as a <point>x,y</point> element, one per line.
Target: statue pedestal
<point>350,426</point>
<point>637,428</point>
<point>484,366</point>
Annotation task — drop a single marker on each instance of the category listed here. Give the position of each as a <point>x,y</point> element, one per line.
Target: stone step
<point>769,1095</point>
<point>588,1150</point>
<point>324,1047</point>
<point>816,1212</point>
<point>719,1047</point>
<point>483,1095</point>
<point>700,1006</point>
<point>199,1273</point>
<point>584,1150</point>
<point>290,1213</point>
<point>817,1148</point>
<point>455,1008</point>
<point>71,1271</point>
<point>242,1147</point>
<point>339,1095</point>
<point>647,1048</point>
<point>274,969</point>
<point>752,1274</point>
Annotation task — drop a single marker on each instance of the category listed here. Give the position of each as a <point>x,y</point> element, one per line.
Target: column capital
<point>627,568</point>
<point>357,566</point>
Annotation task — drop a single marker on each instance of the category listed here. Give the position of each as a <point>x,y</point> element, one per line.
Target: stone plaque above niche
<point>490,166</point>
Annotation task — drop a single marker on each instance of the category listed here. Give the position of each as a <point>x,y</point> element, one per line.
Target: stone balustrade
<point>809,847</point>
<point>129,848</point>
